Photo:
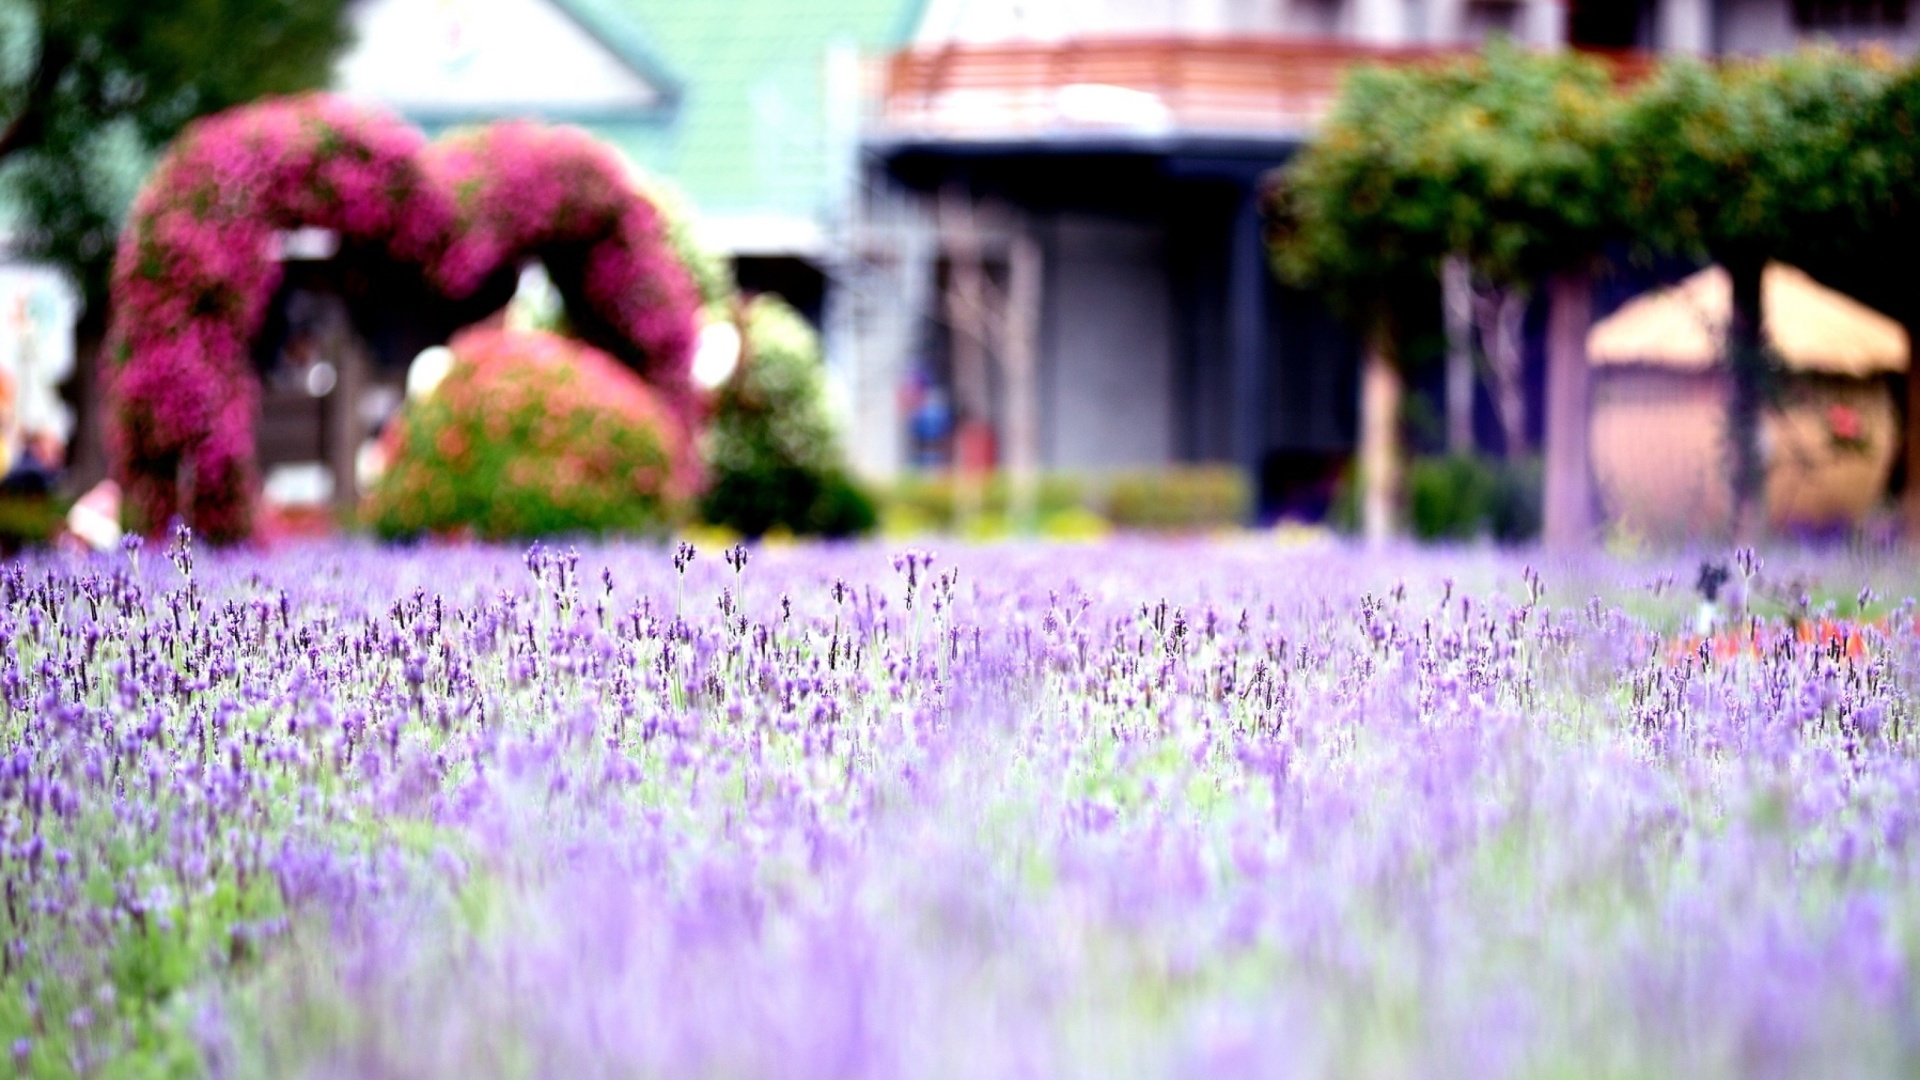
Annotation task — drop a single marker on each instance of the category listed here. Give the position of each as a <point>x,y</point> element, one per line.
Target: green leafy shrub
<point>1458,498</point>
<point>772,449</point>
<point>1182,499</point>
<point>29,521</point>
<point>1461,497</point>
<point>531,434</point>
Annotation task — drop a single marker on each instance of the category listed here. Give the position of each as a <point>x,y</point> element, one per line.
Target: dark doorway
<point>796,281</point>
<point>1609,24</point>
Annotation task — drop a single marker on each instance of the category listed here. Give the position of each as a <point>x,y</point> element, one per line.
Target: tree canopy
<point>1526,163</point>
<point>90,89</point>
<point>1766,156</point>
<point>1505,158</point>
<point>1533,139</point>
<point>1531,164</point>
<point>1502,160</point>
<point>1750,161</point>
<point>1365,213</point>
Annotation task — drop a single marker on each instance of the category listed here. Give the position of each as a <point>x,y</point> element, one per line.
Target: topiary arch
<point>196,270</point>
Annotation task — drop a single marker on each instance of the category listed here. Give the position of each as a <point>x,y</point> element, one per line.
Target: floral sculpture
<point>522,190</point>
<point>531,433</point>
<point>195,273</point>
<point>196,270</point>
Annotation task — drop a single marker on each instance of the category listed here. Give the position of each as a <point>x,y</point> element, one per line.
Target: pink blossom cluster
<point>196,269</point>
<point>533,432</point>
<point>521,189</point>
<point>195,273</point>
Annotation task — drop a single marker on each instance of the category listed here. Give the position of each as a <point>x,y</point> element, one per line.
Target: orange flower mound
<point>532,434</point>
<point>1837,637</point>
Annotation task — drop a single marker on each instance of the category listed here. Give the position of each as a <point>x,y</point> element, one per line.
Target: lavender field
<point>1144,809</point>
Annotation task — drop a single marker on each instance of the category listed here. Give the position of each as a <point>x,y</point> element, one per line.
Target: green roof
<point>743,128</point>
<point>748,132</point>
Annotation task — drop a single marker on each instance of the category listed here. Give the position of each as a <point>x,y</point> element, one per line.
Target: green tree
<point>771,445</point>
<point>88,88</point>
<point>1874,260</point>
<point>1747,162</point>
<point>1532,140</point>
<point>91,89</point>
<point>1504,159</point>
<point>1363,216</point>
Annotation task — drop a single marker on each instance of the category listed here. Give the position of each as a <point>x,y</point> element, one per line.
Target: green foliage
<point>1532,143</point>
<point>1755,160</point>
<point>1528,163</point>
<point>1456,498</point>
<point>785,497</point>
<point>772,448</point>
<point>1462,497</point>
<point>29,521</point>
<point>90,88</point>
<point>1361,215</point>
<point>937,501</point>
<point>1504,158</point>
<point>1889,135</point>
<point>529,435</point>
<point>1757,156</point>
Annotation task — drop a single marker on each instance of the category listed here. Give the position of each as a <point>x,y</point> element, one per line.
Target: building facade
<point>1062,266</point>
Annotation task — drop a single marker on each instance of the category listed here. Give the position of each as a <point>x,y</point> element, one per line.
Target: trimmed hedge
<point>531,434</point>
<point>1458,498</point>
<point>1193,498</point>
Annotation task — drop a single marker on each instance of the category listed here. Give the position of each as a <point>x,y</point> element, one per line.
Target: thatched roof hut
<point>1811,327</point>
<point>1660,396</point>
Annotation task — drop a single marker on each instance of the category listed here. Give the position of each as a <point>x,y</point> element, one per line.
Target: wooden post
<point>968,327</point>
<point>1019,352</point>
<point>1456,292</point>
<point>1569,476</point>
<point>1380,391</point>
<point>340,407</point>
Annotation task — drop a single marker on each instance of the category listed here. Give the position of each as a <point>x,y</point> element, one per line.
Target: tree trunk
<point>1500,315</point>
<point>1910,498</point>
<point>1380,391</point>
<point>1569,476</point>
<point>1747,365</point>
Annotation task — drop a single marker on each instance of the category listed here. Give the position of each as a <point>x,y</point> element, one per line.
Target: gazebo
<point>1829,438</point>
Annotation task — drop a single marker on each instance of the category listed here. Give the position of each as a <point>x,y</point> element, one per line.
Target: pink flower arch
<point>196,270</point>
<point>522,190</point>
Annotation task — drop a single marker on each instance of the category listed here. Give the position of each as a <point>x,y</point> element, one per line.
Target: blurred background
<point>1031,238</point>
